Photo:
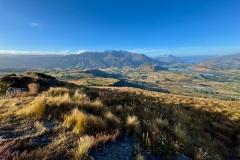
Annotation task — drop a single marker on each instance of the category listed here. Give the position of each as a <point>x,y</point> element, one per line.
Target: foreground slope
<point>68,124</point>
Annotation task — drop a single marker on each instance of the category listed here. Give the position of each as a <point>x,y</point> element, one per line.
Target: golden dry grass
<point>112,121</point>
<point>86,143</point>
<point>181,123</point>
<point>54,91</point>
<point>84,123</point>
<point>205,123</point>
<point>133,125</point>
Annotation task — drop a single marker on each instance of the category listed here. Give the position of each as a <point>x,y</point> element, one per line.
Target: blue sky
<point>152,27</point>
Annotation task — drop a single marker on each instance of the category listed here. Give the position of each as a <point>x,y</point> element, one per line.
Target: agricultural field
<point>216,85</point>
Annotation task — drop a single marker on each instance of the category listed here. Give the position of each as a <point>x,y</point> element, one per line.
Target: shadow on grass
<point>213,131</point>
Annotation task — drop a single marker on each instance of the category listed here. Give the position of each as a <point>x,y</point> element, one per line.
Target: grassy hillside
<point>69,123</point>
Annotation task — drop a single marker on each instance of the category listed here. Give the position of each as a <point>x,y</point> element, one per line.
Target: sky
<point>151,27</point>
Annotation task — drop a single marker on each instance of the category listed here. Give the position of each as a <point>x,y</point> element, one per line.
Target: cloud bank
<point>33,52</point>
<point>181,51</point>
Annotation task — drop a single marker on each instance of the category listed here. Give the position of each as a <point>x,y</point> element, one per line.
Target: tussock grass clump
<point>133,125</point>
<point>54,107</point>
<point>39,107</point>
<point>60,101</point>
<point>51,106</point>
<point>112,121</point>
<point>35,154</point>
<point>161,123</point>
<point>201,155</point>
<point>84,123</point>
<point>56,91</point>
<point>95,107</point>
<point>84,145</point>
<point>159,144</point>
<point>180,133</point>
<point>97,103</point>
<point>71,119</point>
<point>91,124</point>
<point>79,96</point>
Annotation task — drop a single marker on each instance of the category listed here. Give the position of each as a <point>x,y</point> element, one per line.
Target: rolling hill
<point>227,62</point>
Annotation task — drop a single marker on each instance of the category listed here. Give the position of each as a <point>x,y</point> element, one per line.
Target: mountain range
<point>106,59</point>
<point>116,59</point>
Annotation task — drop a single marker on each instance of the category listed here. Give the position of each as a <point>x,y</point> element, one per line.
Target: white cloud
<point>82,51</point>
<point>34,24</point>
<point>181,51</point>
<point>31,52</point>
<point>64,52</point>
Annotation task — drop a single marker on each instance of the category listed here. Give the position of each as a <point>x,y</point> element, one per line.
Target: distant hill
<point>223,63</point>
<point>169,59</point>
<point>23,80</point>
<point>150,68</point>
<point>106,59</point>
<point>184,60</point>
<point>192,59</point>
